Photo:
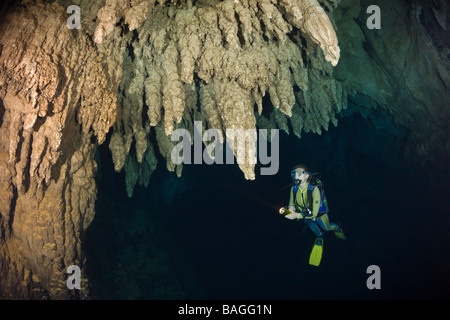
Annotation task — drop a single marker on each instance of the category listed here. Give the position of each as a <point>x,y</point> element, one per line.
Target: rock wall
<point>402,68</point>
<point>57,99</point>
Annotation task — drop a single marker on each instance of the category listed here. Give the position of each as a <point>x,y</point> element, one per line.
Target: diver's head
<point>300,174</point>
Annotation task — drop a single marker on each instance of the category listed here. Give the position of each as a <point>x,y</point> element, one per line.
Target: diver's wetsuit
<point>322,223</point>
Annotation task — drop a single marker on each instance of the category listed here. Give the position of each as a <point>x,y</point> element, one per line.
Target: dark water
<point>213,235</point>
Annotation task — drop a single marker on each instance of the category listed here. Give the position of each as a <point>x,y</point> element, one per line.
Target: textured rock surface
<point>145,68</point>
<point>232,52</point>
<point>402,69</point>
<point>57,95</point>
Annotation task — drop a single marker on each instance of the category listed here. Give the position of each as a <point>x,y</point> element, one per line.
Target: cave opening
<point>211,234</point>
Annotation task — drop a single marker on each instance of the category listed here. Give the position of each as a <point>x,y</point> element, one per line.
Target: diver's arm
<point>316,202</point>
<point>294,215</point>
<point>291,199</point>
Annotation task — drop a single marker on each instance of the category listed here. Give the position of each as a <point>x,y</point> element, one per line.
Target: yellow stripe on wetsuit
<point>304,203</point>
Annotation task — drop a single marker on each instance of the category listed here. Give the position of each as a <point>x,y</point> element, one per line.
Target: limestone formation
<point>133,66</point>
<point>57,95</point>
<point>235,51</point>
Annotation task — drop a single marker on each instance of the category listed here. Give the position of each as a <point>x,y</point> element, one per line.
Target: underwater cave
<point>90,99</point>
<point>212,235</point>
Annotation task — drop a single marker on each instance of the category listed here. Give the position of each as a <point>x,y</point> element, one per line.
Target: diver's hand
<point>290,213</point>
<point>294,215</point>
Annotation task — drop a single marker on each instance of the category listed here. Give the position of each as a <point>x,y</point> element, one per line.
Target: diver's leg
<point>316,253</point>
<point>314,227</point>
<point>325,224</point>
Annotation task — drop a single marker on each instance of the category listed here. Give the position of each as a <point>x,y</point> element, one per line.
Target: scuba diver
<point>307,201</point>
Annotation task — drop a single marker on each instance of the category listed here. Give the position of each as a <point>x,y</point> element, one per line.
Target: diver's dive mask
<point>295,175</point>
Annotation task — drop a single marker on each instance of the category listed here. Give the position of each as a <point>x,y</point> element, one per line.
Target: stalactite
<point>235,60</point>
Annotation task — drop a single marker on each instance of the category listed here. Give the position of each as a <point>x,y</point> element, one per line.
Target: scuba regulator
<point>294,176</point>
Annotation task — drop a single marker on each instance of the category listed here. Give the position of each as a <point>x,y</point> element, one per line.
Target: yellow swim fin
<point>316,253</point>
<point>340,234</point>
